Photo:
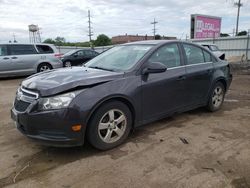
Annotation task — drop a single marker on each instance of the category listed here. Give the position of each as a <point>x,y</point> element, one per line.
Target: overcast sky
<point>68,18</point>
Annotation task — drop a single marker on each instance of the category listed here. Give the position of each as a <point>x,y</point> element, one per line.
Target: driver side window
<point>80,53</point>
<point>168,55</point>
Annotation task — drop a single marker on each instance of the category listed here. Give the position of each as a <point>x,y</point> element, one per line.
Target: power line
<point>154,29</point>
<point>238,4</point>
<point>90,33</point>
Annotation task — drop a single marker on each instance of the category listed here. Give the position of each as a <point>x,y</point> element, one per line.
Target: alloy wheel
<point>67,64</point>
<point>112,126</point>
<point>217,98</point>
<point>44,68</point>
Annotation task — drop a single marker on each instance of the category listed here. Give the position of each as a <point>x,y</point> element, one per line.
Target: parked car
<point>119,90</point>
<point>78,57</point>
<point>26,59</point>
<point>213,48</point>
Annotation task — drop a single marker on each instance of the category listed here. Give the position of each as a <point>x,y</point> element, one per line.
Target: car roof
<point>151,42</point>
<point>26,44</point>
<point>161,42</point>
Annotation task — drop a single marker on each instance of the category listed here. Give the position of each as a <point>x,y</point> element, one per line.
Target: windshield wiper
<point>102,68</point>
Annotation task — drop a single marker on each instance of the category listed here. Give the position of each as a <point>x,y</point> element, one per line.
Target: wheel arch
<point>120,98</point>
<point>223,81</point>
<point>219,79</point>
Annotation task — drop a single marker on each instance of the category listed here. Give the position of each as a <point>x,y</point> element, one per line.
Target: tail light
<point>58,55</point>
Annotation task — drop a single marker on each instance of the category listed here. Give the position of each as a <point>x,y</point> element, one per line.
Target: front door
<point>5,60</point>
<point>162,93</point>
<point>79,57</point>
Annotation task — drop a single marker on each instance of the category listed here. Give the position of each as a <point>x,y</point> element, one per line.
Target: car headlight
<point>57,102</point>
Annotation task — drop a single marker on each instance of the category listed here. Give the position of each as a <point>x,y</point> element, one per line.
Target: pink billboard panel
<point>207,27</point>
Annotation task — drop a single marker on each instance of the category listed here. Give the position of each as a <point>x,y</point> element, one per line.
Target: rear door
<point>163,93</point>
<point>199,69</point>
<point>5,60</point>
<point>23,57</point>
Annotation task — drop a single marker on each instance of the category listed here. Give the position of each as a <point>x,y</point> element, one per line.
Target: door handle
<point>13,57</point>
<point>181,78</point>
<point>5,58</point>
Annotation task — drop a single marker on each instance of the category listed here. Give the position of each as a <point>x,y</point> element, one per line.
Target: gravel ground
<point>193,149</point>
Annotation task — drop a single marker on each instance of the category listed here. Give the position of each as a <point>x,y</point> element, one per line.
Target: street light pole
<point>239,4</point>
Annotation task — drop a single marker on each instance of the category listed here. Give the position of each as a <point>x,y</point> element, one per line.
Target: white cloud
<point>68,18</point>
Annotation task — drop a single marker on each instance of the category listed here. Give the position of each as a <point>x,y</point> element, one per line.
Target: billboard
<point>203,26</point>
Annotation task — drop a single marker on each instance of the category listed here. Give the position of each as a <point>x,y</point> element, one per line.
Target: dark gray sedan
<point>122,88</point>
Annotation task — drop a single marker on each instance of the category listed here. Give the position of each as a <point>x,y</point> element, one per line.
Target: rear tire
<point>217,97</point>
<point>109,126</point>
<point>44,67</point>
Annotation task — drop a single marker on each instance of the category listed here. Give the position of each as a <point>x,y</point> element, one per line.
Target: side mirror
<point>155,67</point>
<point>75,55</point>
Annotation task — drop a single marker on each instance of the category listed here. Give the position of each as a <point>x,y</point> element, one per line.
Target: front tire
<point>109,126</point>
<point>67,64</point>
<point>216,98</point>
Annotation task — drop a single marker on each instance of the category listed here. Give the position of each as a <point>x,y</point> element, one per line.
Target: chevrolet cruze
<point>119,90</point>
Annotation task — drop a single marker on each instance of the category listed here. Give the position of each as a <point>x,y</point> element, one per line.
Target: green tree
<point>157,37</point>
<point>102,40</point>
<point>49,41</point>
<point>242,33</point>
<point>224,35</point>
<point>60,40</point>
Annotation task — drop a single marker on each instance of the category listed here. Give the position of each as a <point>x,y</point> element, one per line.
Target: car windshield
<point>119,58</point>
<point>70,52</point>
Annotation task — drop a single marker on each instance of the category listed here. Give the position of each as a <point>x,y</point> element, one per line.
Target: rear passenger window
<point>3,50</point>
<point>44,49</point>
<point>194,54</point>
<point>22,49</point>
<point>168,55</point>
<point>207,56</point>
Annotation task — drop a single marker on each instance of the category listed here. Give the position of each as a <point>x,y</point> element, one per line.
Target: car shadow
<point>13,78</point>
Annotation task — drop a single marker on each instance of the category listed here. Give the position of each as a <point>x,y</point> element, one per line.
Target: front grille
<point>23,99</point>
<point>21,106</point>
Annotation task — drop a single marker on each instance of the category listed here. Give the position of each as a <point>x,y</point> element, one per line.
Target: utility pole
<point>238,4</point>
<point>154,29</point>
<point>90,34</point>
<point>14,38</point>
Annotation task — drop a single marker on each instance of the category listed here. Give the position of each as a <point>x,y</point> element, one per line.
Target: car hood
<point>61,80</point>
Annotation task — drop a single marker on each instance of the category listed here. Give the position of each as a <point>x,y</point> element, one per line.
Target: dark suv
<point>122,88</point>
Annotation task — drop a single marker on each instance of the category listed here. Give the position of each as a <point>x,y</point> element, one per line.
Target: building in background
<point>204,26</point>
<point>121,39</point>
